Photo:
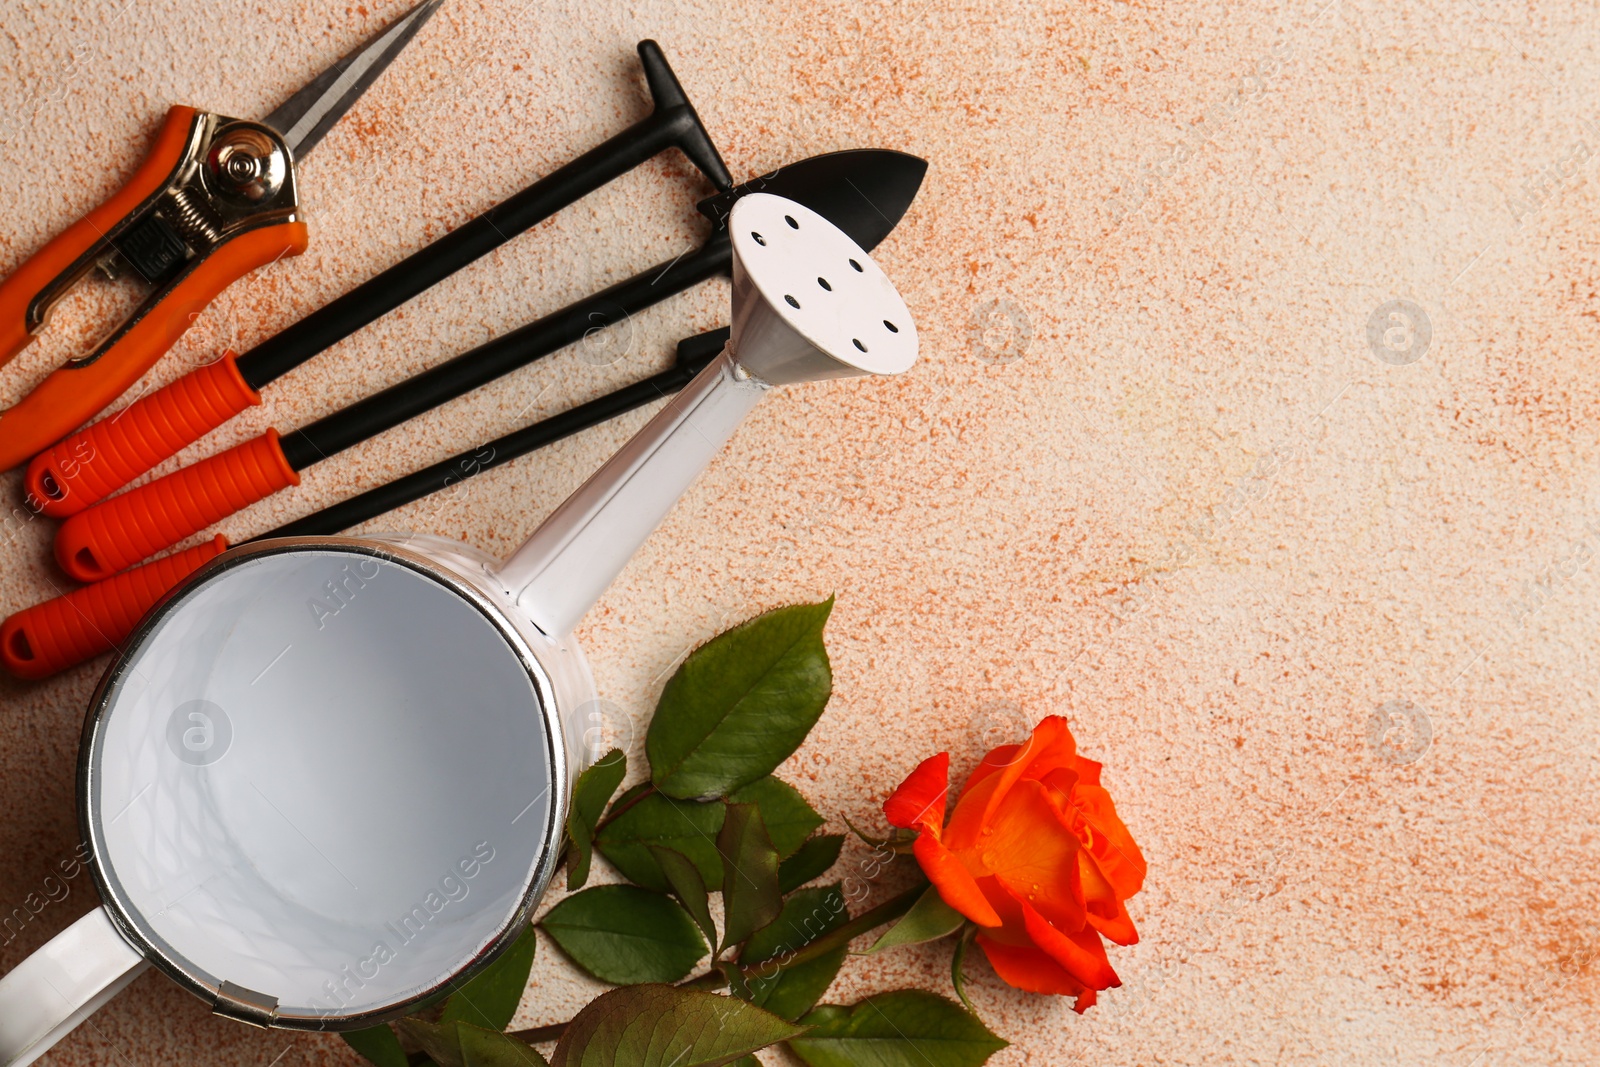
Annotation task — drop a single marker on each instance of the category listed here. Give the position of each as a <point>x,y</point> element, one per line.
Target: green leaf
<point>589,795</point>
<point>741,703</point>
<point>688,887</point>
<point>683,826</point>
<point>491,998</point>
<point>490,1048</point>
<point>735,979</point>
<point>690,827</point>
<point>750,895</point>
<point>663,1026</point>
<point>811,860</point>
<point>792,990</point>
<point>623,934</point>
<point>789,819</point>
<point>958,979</point>
<point>377,1045</point>
<point>929,919</point>
<point>630,794</point>
<point>459,1044</point>
<point>905,1028</point>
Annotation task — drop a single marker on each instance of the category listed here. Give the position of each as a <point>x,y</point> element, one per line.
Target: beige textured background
<point>1149,473</point>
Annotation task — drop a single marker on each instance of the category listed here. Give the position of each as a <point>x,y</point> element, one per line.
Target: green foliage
<point>683,826</point>
<point>741,703</point>
<point>958,958</point>
<point>750,895</point>
<point>690,827</point>
<point>905,1028</point>
<point>663,1026</point>
<point>491,998</point>
<point>811,860</point>
<point>735,710</point>
<point>377,1045</point>
<point>929,919</point>
<point>688,887</point>
<point>623,934</point>
<point>459,1044</point>
<point>589,795</point>
<point>788,818</point>
<point>786,989</point>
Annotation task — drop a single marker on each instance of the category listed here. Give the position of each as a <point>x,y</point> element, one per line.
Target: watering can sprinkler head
<point>808,304</point>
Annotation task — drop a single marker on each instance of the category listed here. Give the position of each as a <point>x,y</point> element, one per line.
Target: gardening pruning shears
<point>214,200</point>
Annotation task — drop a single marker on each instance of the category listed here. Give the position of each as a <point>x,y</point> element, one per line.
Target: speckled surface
<point>1150,472</point>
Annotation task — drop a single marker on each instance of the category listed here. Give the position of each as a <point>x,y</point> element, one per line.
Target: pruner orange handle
<point>27,296</point>
<point>122,530</point>
<point>85,468</point>
<point>188,248</point>
<point>60,633</point>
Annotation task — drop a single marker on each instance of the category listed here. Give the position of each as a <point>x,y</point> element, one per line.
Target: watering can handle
<point>560,571</point>
<point>47,995</point>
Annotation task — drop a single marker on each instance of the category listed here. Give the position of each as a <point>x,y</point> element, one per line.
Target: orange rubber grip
<point>74,394</point>
<point>92,464</point>
<point>117,533</point>
<point>39,641</point>
<point>45,265</point>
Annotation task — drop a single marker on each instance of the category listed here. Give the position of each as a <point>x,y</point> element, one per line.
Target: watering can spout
<point>570,560</point>
<point>808,304</point>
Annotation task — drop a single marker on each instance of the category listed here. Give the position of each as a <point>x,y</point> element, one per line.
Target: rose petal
<point>1051,746</point>
<point>1088,770</point>
<point>1109,841</point>
<point>1060,788</point>
<point>919,802</point>
<point>1025,847</point>
<point>966,824</point>
<point>995,761</point>
<point>955,883</point>
<point>1082,954</point>
<point>1025,967</point>
<point>1105,911</point>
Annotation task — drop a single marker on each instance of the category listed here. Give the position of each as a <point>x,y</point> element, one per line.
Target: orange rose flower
<point>1035,855</point>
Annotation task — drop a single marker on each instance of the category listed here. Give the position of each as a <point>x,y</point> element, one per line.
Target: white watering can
<point>327,777</point>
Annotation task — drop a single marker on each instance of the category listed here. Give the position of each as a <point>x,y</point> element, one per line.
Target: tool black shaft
<point>421,392</point>
<point>673,123</point>
<point>428,266</point>
<point>693,355</point>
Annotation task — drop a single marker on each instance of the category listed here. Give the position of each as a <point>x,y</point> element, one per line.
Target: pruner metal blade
<point>306,116</point>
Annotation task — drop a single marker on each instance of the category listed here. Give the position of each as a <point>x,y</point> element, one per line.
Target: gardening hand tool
<point>865,190</point>
<point>271,776</point>
<point>215,199</point>
<point>101,459</point>
<point>67,630</point>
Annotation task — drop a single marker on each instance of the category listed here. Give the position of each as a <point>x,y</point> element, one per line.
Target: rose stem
<point>840,937</point>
